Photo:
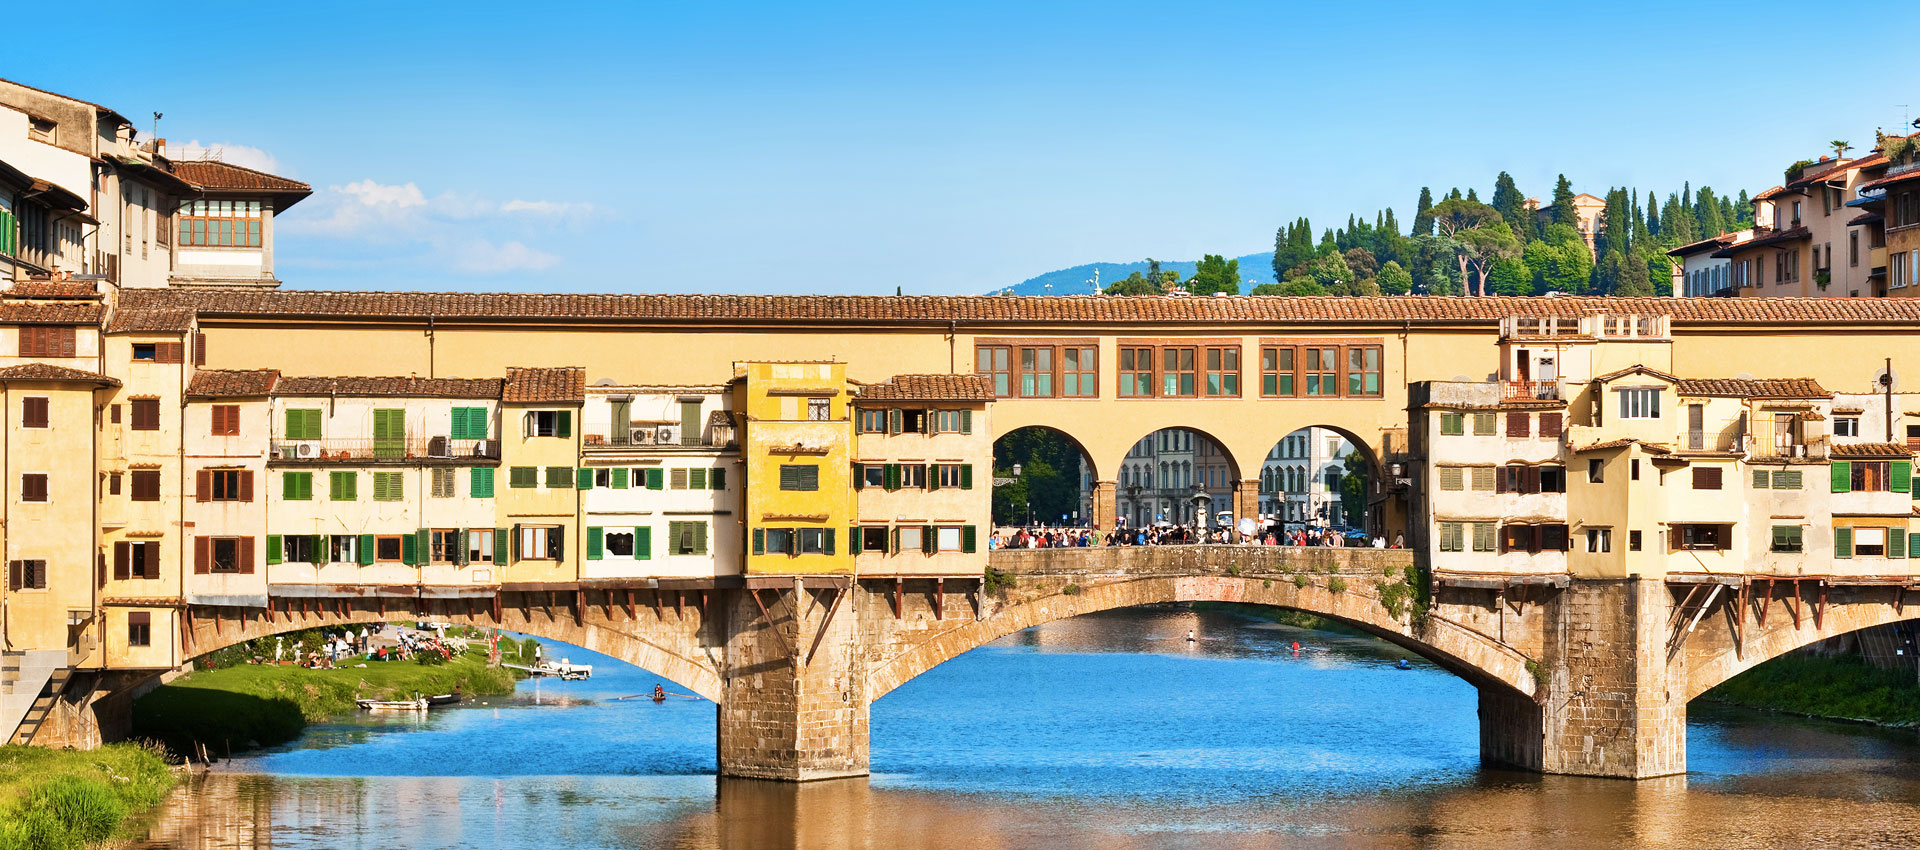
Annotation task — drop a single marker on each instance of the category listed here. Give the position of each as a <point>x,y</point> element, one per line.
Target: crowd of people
<point>1182,535</point>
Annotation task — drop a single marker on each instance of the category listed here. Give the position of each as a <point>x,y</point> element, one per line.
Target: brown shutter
<point>202,556</point>
<point>1539,536</point>
<point>122,552</point>
<point>1530,479</point>
<point>1550,425</point>
<point>203,485</point>
<point>246,555</point>
<point>68,341</point>
<point>246,485</point>
<point>1517,424</point>
<point>13,575</point>
<point>199,349</point>
<point>1499,479</point>
<point>150,560</point>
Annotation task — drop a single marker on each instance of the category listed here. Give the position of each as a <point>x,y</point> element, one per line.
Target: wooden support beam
<point>580,607</point>
<point>898,596</point>
<point>1766,601</point>
<point>679,606</point>
<point>1679,611</point>
<point>496,608</point>
<point>629,593</point>
<point>660,613</point>
<point>839,593</point>
<point>939,598</point>
<point>217,617</point>
<point>1820,607</point>
<point>1793,605</point>
<point>1739,620</point>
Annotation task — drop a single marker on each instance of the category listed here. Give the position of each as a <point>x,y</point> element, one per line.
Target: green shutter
<point>320,555</point>
<point>718,480</point>
<point>563,423</point>
<point>696,479</point>
<point>966,477</point>
<point>1842,476</point>
<point>967,542</point>
<point>643,542</point>
<point>894,420</point>
<point>462,546</point>
<point>502,543</point>
<point>423,550</point>
<point>1913,542</point>
<point>759,541</point>
<point>854,543</point>
<point>585,478</point>
<point>891,476</point>
<point>656,479</point>
<point>620,478</point>
<point>700,538</point>
<point>481,482</point>
<point>389,432</point>
<point>1843,542</point>
<point>929,540</point>
<point>366,549</point>
<point>596,539</point>
<point>457,423</point>
<point>859,476</point>
<point>1760,479</point>
<point>409,550</point>
<point>1896,543</point>
<point>966,421</point>
<point>933,476</point>
<point>827,534</point>
<point>1902,476</point>
<point>273,548</point>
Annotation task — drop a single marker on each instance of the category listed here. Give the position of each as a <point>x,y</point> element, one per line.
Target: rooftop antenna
<point>156,125</point>
<point>1906,115</point>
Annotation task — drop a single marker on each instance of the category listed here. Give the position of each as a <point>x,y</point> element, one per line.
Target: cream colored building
<point>923,472</point>
<point>666,482</point>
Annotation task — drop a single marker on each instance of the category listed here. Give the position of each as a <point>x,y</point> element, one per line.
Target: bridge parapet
<point>1201,560</point>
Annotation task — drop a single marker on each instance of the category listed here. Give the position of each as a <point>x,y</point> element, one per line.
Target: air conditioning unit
<point>303,450</point>
<point>439,447</point>
<point>642,436</point>
<point>666,435</point>
<point>1799,451</point>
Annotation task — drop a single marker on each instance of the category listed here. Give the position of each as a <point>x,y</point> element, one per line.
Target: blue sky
<point>856,148</point>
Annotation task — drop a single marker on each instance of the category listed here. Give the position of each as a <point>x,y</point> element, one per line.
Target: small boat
<point>443,699</point>
<point>392,704</point>
<point>1402,665</point>
<point>566,670</point>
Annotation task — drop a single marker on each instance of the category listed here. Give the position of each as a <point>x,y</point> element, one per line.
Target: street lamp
<point>1026,498</point>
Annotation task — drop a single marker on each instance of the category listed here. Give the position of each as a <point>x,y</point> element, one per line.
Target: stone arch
<point>1714,655</point>
<point>1462,651</point>
<point>678,642</point>
<point>1297,474</point>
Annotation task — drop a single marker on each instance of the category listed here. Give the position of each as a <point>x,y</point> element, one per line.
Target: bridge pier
<point>795,704</point>
<point>1615,703</point>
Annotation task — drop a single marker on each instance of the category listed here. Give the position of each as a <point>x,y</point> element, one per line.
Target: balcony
<point>652,436</point>
<point>1762,448</point>
<point>401,450</point>
<point>1529,390</point>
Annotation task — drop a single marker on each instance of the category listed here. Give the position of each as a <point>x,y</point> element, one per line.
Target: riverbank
<point>62,799</point>
<point>1835,688</point>
<point>232,709</point>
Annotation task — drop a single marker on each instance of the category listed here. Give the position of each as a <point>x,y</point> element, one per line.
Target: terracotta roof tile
<point>1894,450</point>
<point>1639,369</point>
<point>213,174</point>
<point>684,310</point>
<point>1770,194</point>
<point>51,313</point>
<point>1754,387</point>
<point>563,384</point>
<point>930,388</point>
<point>50,372</point>
<point>151,321</point>
<point>55,289</point>
<point>391,387</point>
<point>1889,180</point>
<point>224,383</point>
<point>1652,448</point>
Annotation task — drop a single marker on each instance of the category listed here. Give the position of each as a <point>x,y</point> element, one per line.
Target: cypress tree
<point>1563,212</point>
<point>1653,215</point>
<point>1422,219</point>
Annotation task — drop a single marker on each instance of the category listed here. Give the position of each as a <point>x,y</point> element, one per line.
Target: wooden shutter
<point>966,477</point>
<point>700,539</point>
<point>409,549</point>
<point>502,545</point>
<point>366,549</point>
<point>1843,542</point>
<point>1529,479</point>
<point>1706,478</point>
<point>656,478</point>
<point>596,542</point>
<point>122,561</point>
<point>643,542</point>
<point>1760,479</point>
<point>932,481</point>
<point>1550,425</point>
<point>246,485</point>
<point>619,478</point>
<point>968,541</point>
<point>203,485</point>
<point>1902,476</point>
<point>859,476</point>
<point>319,554</point>
<point>966,420</point>
<point>563,423</point>
<point>1450,478</point>
<point>1896,542</point>
<point>202,556</point>
<point>1842,476</point>
<point>583,478</point>
<point>273,549</point>
<point>199,349</point>
<point>929,539</point>
<point>1517,424</point>
<point>759,541</point>
<point>717,478</point>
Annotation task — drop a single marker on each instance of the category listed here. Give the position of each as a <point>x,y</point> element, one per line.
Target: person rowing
<point>1190,637</point>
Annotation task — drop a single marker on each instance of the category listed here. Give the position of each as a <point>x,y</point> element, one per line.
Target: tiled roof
<point>1754,387</point>
<point>1636,369</point>
<point>57,289</point>
<point>1895,450</point>
<point>150,321</point>
<point>1770,194</point>
<point>1759,239</point>
<point>1715,242</point>
<point>49,372</point>
<point>720,418</point>
<point>1865,218</point>
<point>1902,177</point>
<point>51,313</point>
<point>564,384</point>
<point>930,388</point>
<point>684,310</point>
<point>1651,448</point>
<point>394,387</point>
<point>213,174</point>
<point>1821,171</point>
<point>224,383</point>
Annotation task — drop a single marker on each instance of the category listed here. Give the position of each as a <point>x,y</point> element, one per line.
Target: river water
<point>1108,730</point>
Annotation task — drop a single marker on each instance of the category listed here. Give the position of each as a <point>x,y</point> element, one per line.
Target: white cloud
<point>546,207</point>
<point>483,257</point>
<point>244,156</point>
<point>450,231</point>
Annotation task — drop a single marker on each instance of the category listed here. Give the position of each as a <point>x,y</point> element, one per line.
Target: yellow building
<point>539,503</point>
<point>798,454</point>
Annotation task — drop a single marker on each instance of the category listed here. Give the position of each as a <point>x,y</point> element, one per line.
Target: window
<point>947,538</point>
<point>139,628</point>
<point>911,538</point>
<point>1599,540</point>
<point>560,478</point>
<point>1322,375</point>
<point>296,486</point>
<point>226,420</point>
<point>146,485</point>
<point>1519,424</point>
<point>689,537</point>
<point>993,362</point>
<point>1853,248</point>
<point>1482,478</point>
<point>778,541</point>
<point>548,423</point>
<point>911,475</point>
<point>27,575</point>
<point>1451,478</point>
<point>618,543</point>
<point>1866,476</point>
<point>798,476</point>
<point>1550,425</point>
<point>39,341</point>
<point>1533,538</point>
<point>443,486</point>
<point>224,224</point>
<point>296,549</point>
<point>953,421</point>
<point>1223,371</point>
<point>480,546</point>
<point>1633,541</point>
<point>1706,478</point>
<point>1177,374</point>
<point>1036,372</point>
<point>343,485</point>
<point>872,421</point>
<point>443,546</point>
<point>146,414</point>
<point>136,560</point>
<point>1846,426</point>
<point>1079,371</point>
<point>1553,479</point>
<point>345,549</point>
<point>1452,536</point>
<point>224,555</point>
<point>387,548</point>
<point>1787,538</point>
<point>226,485</point>
<point>1136,372</point>
<point>1640,403</point>
<point>33,412</point>
<point>389,486</point>
<point>1699,536</point>
<point>1452,424</point>
<point>302,423</point>
<point>1483,424</point>
<point>1363,371</point>
<point>1869,541</point>
<point>470,423</point>
<point>541,543</point>
<point>523,477</point>
<point>1276,371</point>
<point>953,475</point>
<point>819,409</point>
<point>873,538</point>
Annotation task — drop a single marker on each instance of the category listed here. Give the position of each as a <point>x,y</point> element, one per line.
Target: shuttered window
<point>1450,536</point>
<point>1519,424</point>
<point>1483,534</point>
<point>343,485</point>
<point>1706,478</point>
<point>302,424</point>
<point>226,420</point>
<point>1483,478</point>
<point>1452,424</point>
<point>1451,478</point>
<point>521,477</point>
<point>687,537</point>
<point>296,486</point>
<point>468,423</point>
<point>443,483</point>
<point>146,485</point>
<point>146,414</point>
<point>1483,424</point>
<point>560,477</point>
<point>1550,425</point>
<point>481,482</point>
<point>33,412</point>
<point>389,486</point>
<point>37,341</point>
<point>797,476</point>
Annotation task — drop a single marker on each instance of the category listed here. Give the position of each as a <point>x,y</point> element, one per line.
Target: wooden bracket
<point>1820,608</point>
<point>1793,605</point>
<point>1766,601</point>
<point>769,618</point>
<point>897,600</point>
<point>679,605</point>
<point>940,599</point>
<point>629,594</point>
<point>839,593</point>
<point>660,613</point>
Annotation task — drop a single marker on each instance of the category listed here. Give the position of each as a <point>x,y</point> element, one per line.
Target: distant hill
<point>1073,281</point>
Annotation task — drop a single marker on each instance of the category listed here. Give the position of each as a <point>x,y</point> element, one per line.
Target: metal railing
<point>1544,390</point>
<point>390,449</point>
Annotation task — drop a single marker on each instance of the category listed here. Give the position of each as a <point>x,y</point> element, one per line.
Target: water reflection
<point>1103,731</point>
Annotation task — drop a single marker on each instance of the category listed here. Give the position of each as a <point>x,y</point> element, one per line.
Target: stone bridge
<point>1587,677</point>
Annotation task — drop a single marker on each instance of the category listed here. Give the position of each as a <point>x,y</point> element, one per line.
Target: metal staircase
<point>30,684</point>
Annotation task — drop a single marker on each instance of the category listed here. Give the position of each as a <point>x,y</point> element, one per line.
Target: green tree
<point>1456,216</point>
<point>1292,286</point>
<point>1215,274</point>
<point>1560,261</point>
<point>1135,284</point>
<point>1353,490</point>
<point>1394,280</point>
<point>1332,274</point>
<point>1422,215</point>
<point>1562,211</point>
<point>1512,206</point>
<point>1292,247</point>
<point>1510,276</point>
<point>1485,246</point>
<point>1706,211</point>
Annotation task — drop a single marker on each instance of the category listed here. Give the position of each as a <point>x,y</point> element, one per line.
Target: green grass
<point>237,708</point>
<point>1840,688</point>
<point>59,799</point>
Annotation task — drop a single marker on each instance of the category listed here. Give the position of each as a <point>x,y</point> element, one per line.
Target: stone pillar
<point>1615,705</point>
<point>782,715</point>
<point>1103,505</point>
<point>1246,499</point>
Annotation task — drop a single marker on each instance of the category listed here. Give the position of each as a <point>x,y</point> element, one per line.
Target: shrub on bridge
<point>1336,585</point>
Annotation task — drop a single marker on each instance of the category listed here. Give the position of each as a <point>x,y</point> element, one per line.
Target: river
<point>1108,730</point>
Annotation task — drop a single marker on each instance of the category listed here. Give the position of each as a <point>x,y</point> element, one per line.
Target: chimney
<point>160,146</point>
